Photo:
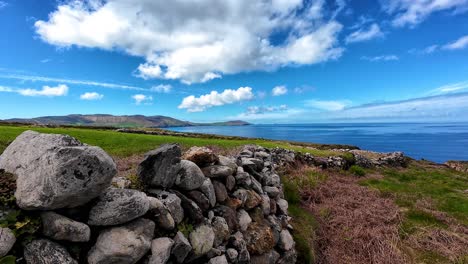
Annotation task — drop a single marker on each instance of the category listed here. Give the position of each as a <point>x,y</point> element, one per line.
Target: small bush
<point>357,170</point>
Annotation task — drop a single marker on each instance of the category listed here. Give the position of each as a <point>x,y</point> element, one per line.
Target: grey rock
<point>121,182</point>
<point>282,206</point>
<point>261,155</point>
<point>244,219</point>
<point>272,179</point>
<point>200,199</point>
<point>160,250</point>
<point>253,200</point>
<point>207,189</point>
<point>221,230</point>
<point>7,240</point>
<point>229,215</point>
<point>56,171</point>
<point>265,205</point>
<point>214,252</point>
<point>123,244</point>
<point>220,191</point>
<point>172,202</point>
<point>160,214</point>
<point>241,194</point>
<point>59,227</point>
<point>201,156</point>
<point>189,176</point>
<point>267,258</point>
<point>118,206</point>
<point>238,242</point>
<point>286,241</point>
<point>217,171</point>
<point>273,192</point>
<point>230,182</point>
<point>231,255</point>
<point>256,186</point>
<point>243,179</point>
<point>227,161</point>
<point>288,257</point>
<point>246,153</point>
<point>160,166</point>
<point>43,251</point>
<point>218,260</point>
<point>191,209</point>
<point>181,247</point>
<point>202,239</point>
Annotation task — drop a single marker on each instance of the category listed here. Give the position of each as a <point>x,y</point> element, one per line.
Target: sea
<point>438,142</point>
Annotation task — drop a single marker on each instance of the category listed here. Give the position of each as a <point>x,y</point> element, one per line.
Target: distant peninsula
<point>157,121</point>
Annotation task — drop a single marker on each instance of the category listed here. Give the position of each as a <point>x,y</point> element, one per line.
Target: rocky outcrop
<point>461,166</point>
<point>195,207</point>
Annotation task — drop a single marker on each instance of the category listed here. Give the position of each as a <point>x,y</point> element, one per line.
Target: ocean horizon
<point>438,142</point>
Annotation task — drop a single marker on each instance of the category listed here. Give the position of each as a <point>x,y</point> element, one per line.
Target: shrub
<point>357,170</point>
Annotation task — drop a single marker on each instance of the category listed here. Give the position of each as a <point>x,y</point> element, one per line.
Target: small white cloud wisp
<point>90,96</point>
<point>142,99</point>
<point>279,90</point>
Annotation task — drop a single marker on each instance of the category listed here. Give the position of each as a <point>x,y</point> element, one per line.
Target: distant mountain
<point>118,121</point>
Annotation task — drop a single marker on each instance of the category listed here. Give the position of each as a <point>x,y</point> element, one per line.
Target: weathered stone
<point>238,242</point>
<point>229,215</point>
<point>118,206</point>
<point>256,186</point>
<point>229,162</point>
<point>286,241</point>
<point>43,251</point>
<point>121,182</point>
<point>220,191</point>
<point>172,202</point>
<point>56,171</point>
<point>230,182</point>
<point>218,260</point>
<point>221,230</point>
<point>201,156</point>
<point>233,203</point>
<point>191,209</point>
<point>256,214</point>
<point>200,199</point>
<point>246,153</point>
<point>160,214</point>
<point>243,179</point>
<point>253,200</point>
<point>7,240</point>
<point>282,206</point>
<point>273,192</point>
<point>267,258</point>
<point>160,166</point>
<point>208,190</point>
<point>259,238</point>
<point>272,179</point>
<point>214,252</point>
<point>265,205</point>
<point>273,206</point>
<point>261,155</point>
<point>202,239</point>
<point>241,194</point>
<point>181,247</point>
<point>244,219</point>
<point>231,255</point>
<point>189,176</point>
<point>217,171</point>
<point>123,244</point>
<point>288,257</point>
<point>59,227</point>
<point>160,250</point>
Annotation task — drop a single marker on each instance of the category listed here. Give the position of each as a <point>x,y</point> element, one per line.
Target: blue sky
<point>277,61</point>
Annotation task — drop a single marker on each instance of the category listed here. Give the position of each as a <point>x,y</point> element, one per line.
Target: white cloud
<point>162,88</point>
<point>141,98</point>
<point>91,96</point>
<point>255,110</point>
<point>450,88</point>
<point>381,58</point>
<point>46,60</point>
<point>372,32</point>
<point>3,4</point>
<point>279,90</point>
<point>427,50</point>
<point>460,43</point>
<point>70,81</point>
<point>60,90</point>
<point>413,12</point>
<point>5,89</point>
<point>327,105</point>
<point>228,96</point>
<point>197,41</point>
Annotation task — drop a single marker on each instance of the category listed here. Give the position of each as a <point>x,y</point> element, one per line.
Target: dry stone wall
<point>194,207</point>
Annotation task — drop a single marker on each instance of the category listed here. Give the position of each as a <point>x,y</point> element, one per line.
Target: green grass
<point>357,170</point>
<point>124,144</point>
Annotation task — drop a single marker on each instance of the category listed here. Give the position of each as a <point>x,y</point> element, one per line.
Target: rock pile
<point>196,207</point>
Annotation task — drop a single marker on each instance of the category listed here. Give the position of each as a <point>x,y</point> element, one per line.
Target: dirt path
<point>357,225</point>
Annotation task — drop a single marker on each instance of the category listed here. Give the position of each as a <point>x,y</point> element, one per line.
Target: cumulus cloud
<point>91,96</point>
<point>60,90</point>
<point>162,88</point>
<point>325,105</point>
<point>141,98</point>
<point>460,43</point>
<point>279,90</point>
<point>198,41</point>
<point>228,96</point>
<point>413,12</point>
<point>365,34</point>
<point>381,58</point>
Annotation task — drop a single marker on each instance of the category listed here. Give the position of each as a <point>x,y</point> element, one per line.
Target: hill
<point>118,121</point>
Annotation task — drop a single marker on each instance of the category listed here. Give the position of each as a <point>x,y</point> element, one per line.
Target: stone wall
<point>192,207</point>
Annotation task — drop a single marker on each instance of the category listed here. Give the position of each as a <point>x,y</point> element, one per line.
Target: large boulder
<point>118,206</point>
<point>56,171</point>
<point>189,176</point>
<point>160,166</point>
<point>202,239</point>
<point>7,240</point>
<point>123,244</point>
<point>201,156</point>
<point>43,251</point>
<point>59,227</point>
<point>161,250</point>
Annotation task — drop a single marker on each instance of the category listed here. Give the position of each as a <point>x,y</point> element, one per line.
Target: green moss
<point>416,219</point>
<point>135,182</point>
<point>357,170</point>
<point>8,260</point>
<point>185,228</point>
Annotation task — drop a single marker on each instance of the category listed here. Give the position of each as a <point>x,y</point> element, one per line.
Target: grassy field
<point>120,144</point>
